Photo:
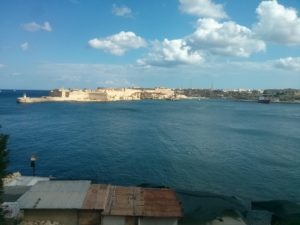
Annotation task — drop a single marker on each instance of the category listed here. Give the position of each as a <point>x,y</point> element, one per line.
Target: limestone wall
<point>105,94</point>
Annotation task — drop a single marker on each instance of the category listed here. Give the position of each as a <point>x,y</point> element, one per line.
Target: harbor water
<point>244,149</point>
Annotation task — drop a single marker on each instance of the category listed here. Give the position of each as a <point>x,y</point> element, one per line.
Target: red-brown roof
<point>160,203</point>
<point>96,197</point>
<point>133,201</point>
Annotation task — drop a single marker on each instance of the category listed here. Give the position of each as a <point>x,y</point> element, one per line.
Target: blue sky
<point>171,43</point>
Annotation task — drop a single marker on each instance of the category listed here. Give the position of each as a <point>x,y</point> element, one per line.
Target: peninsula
<point>104,95</point>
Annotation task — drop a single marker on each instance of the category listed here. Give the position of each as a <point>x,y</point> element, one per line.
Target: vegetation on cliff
<point>3,164</point>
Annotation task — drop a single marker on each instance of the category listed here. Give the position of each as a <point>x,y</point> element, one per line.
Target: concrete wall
<point>157,221</point>
<point>66,217</point>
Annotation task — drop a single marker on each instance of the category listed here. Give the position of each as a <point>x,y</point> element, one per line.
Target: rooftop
<point>110,199</point>
<point>133,201</point>
<point>96,197</point>
<point>55,195</point>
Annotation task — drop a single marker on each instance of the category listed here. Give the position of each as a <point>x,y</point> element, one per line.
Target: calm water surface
<point>244,149</point>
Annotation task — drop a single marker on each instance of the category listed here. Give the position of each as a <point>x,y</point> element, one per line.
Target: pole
<point>32,164</point>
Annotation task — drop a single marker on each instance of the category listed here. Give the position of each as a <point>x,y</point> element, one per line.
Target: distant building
<point>83,203</point>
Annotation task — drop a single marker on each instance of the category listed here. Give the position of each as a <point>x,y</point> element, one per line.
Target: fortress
<point>105,95</point>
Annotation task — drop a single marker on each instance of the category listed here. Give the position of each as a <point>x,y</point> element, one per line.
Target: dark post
<point>32,164</point>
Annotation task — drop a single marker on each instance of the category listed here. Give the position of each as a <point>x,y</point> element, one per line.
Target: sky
<point>140,43</point>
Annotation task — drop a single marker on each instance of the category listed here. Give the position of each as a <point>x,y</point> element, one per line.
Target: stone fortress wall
<point>115,94</point>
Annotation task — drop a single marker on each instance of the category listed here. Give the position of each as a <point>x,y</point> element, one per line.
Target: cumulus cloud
<point>118,44</point>
<point>203,8</point>
<point>210,38</point>
<point>121,11</point>
<point>226,38</point>
<point>278,23</point>
<point>289,63</point>
<point>24,46</point>
<point>33,26</point>
<point>171,52</point>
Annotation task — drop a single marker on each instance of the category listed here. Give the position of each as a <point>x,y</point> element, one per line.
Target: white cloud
<point>226,38</point>
<point>118,83</point>
<point>277,23</point>
<point>171,52</point>
<point>203,8</point>
<point>211,38</point>
<point>24,46</point>
<point>288,63</point>
<point>2,65</point>
<point>119,43</point>
<point>121,11</point>
<point>15,74</point>
<point>33,26</point>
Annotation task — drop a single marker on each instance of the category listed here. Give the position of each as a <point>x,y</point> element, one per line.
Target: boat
<point>264,100</point>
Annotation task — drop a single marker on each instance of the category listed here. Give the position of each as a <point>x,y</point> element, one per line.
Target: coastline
<point>104,95</point>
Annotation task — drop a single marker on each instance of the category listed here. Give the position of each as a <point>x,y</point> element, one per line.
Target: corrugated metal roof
<point>13,193</point>
<point>160,203</point>
<point>113,200</point>
<point>96,197</point>
<point>135,201</point>
<point>124,201</point>
<point>55,195</point>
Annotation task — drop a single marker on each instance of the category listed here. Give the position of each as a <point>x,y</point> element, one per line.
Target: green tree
<point>3,164</point>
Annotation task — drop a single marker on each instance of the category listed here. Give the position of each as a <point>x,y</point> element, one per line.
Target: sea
<point>233,148</point>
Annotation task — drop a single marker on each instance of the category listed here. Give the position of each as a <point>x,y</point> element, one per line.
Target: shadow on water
<point>204,208</point>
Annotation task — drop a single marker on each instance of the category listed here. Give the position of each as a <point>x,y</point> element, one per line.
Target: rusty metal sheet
<point>133,201</point>
<point>96,197</point>
<point>161,203</point>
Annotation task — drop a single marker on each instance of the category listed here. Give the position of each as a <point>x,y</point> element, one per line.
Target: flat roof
<point>55,195</point>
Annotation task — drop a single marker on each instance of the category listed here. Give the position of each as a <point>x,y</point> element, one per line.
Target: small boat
<point>264,100</point>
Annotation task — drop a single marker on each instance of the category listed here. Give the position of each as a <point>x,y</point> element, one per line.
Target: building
<point>15,185</point>
<point>54,200</point>
<point>83,203</point>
